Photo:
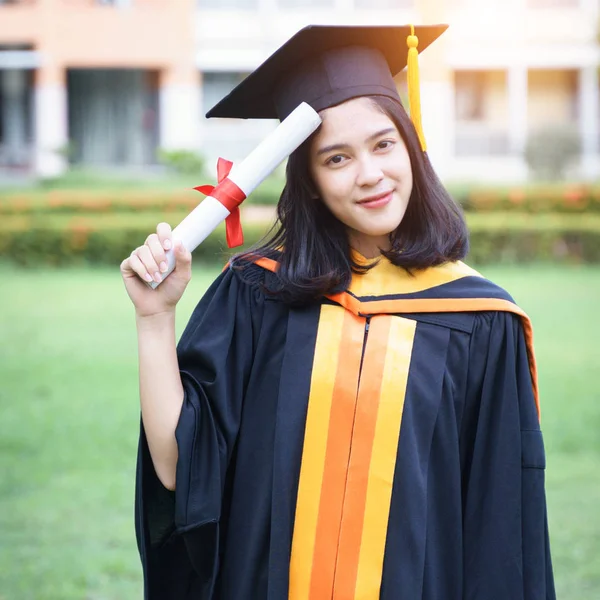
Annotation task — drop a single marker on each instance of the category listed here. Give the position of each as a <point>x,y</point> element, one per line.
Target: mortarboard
<point>325,65</point>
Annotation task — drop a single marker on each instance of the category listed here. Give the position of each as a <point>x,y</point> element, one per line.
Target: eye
<point>338,159</point>
<point>385,144</point>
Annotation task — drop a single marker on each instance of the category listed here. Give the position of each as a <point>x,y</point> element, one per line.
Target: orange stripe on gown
<point>360,459</point>
<point>383,455</point>
<point>349,456</point>
<point>325,453</point>
<point>341,423</point>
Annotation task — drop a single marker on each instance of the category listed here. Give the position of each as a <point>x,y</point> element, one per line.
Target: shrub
<point>108,238</point>
<point>99,239</point>
<point>528,198</point>
<point>182,162</point>
<point>550,151</point>
<point>538,198</point>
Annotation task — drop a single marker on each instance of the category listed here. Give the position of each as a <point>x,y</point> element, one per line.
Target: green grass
<point>69,417</point>
<point>563,305</point>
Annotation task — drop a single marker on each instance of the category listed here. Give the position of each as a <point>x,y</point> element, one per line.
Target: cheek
<point>333,186</point>
<point>402,170</point>
<point>333,201</point>
<point>402,160</point>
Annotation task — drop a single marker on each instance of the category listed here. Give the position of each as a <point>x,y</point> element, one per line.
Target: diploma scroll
<point>247,175</point>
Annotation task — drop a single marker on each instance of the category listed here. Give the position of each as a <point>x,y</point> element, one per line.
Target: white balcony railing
<point>553,3</point>
<point>481,142</point>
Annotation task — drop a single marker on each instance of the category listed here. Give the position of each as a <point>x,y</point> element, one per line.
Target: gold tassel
<point>414,94</point>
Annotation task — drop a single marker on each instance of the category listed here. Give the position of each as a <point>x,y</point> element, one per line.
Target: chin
<point>380,230</point>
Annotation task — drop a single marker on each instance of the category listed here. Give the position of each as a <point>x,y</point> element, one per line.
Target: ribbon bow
<point>230,196</point>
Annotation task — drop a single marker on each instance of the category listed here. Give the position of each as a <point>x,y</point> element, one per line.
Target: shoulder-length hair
<point>312,245</point>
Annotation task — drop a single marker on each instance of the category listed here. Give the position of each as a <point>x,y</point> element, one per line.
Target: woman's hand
<point>148,263</point>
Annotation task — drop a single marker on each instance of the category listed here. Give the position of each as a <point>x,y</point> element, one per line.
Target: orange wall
<point>18,23</point>
<point>151,34</point>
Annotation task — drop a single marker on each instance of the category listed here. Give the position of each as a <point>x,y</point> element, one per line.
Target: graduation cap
<point>326,65</point>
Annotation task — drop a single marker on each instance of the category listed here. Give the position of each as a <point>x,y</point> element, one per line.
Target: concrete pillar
<point>14,118</point>
<point>437,91</point>
<point>180,109</point>
<point>517,109</point>
<point>51,118</point>
<point>589,119</point>
<point>437,102</point>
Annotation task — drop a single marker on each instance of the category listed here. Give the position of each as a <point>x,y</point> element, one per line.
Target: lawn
<point>69,417</point>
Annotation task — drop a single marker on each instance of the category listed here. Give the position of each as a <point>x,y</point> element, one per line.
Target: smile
<point>376,201</point>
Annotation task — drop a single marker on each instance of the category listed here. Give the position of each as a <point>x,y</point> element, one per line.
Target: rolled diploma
<point>247,175</point>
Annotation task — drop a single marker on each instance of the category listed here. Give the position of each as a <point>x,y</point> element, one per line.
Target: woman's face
<point>362,171</point>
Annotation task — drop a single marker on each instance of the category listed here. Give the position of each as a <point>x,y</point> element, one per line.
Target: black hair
<point>312,245</point>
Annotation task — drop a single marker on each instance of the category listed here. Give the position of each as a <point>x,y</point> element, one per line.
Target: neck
<point>370,246</point>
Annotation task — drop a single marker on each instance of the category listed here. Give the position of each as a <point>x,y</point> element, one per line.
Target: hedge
<point>119,200</point>
<point>564,198</point>
<point>533,198</point>
<point>33,239</point>
<point>521,237</point>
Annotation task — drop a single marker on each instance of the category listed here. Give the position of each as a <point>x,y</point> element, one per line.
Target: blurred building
<point>107,82</point>
<point>517,67</point>
<point>101,82</point>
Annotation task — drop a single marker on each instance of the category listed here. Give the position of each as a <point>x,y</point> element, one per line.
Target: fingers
<point>145,255</point>
<point>134,264</point>
<point>157,252</point>
<point>149,261</point>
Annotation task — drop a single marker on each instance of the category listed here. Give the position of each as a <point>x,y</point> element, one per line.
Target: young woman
<point>351,411</point>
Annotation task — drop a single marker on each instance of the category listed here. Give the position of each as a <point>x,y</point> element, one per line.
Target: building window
<point>470,98</point>
<point>16,118</point>
<point>228,4</point>
<point>113,116</point>
<point>553,97</point>
<point>482,120</point>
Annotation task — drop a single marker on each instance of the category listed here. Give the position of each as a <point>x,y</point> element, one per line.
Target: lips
<point>376,201</point>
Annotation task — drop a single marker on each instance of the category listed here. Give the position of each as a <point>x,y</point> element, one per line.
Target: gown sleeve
<point>505,525</point>
<point>178,532</point>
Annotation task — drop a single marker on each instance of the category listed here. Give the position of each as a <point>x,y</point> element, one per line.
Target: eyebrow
<point>343,146</point>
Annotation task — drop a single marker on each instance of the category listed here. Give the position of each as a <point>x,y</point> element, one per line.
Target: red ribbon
<point>230,196</point>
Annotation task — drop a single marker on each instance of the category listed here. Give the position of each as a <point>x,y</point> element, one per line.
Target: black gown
<point>383,443</point>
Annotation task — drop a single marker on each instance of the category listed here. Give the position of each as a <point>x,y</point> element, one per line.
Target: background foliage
<point>57,226</point>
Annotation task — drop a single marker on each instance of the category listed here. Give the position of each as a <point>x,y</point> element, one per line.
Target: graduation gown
<point>383,443</point>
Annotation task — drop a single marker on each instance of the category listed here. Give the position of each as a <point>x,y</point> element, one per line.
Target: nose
<point>369,171</point>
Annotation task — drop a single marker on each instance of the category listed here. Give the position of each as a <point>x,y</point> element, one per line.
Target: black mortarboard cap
<point>325,65</point>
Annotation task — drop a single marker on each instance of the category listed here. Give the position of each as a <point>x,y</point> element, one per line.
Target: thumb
<point>183,260</point>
